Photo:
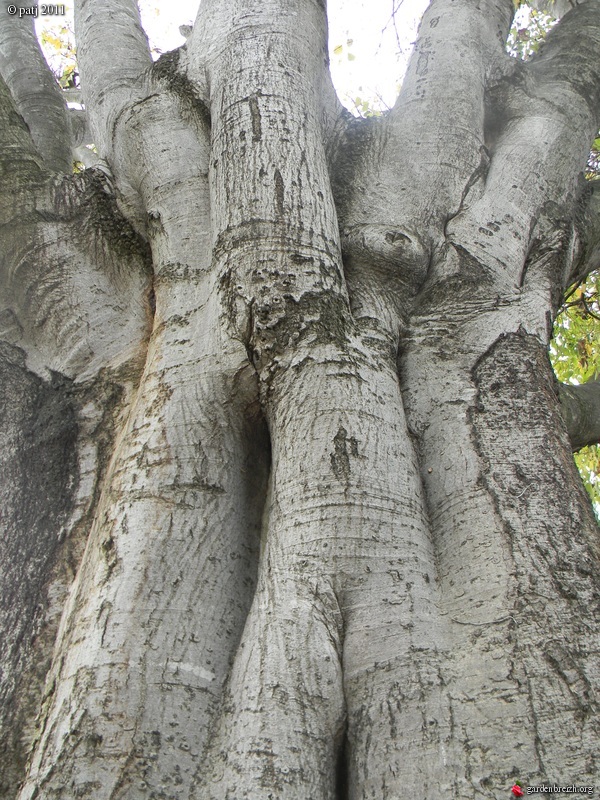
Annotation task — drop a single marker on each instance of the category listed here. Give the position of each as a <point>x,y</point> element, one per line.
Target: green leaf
<point>575,356</point>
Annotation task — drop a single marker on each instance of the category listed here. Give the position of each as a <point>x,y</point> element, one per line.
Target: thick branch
<point>71,303</point>
<point>64,295</point>
<point>439,114</point>
<point>427,155</point>
<point>543,120</point>
<point>267,151</point>
<point>588,230</point>
<point>112,54</point>
<point>19,160</point>
<point>581,410</point>
<point>158,143</point>
<point>277,257</point>
<point>571,56</point>
<point>555,8</point>
<point>150,112</point>
<point>35,91</point>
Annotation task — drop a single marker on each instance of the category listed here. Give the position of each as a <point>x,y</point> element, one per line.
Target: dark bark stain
<point>255,117</point>
<point>343,448</point>
<point>392,237</point>
<point>154,223</point>
<point>169,70</point>
<point>279,193</point>
<point>298,258</point>
<point>422,64</point>
<point>152,301</point>
<point>38,480</point>
<point>110,554</point>
<point>341,777</point>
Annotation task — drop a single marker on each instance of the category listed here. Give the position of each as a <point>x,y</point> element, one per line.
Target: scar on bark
<point>279,192</point>
<point>255,117</point>
<point>340,458</point>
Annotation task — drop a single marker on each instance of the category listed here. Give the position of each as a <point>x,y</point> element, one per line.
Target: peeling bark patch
<point>343,448</point>
<point>256,119</point>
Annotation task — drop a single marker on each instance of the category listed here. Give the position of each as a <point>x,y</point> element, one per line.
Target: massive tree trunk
<point>289,507</point>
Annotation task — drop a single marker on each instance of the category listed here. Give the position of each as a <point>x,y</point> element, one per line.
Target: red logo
<point>517,791</point>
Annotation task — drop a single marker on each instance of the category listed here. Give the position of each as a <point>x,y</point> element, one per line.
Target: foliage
<point>58,45</point>
<point>529,29</point>
<point>576,345</point>
<point>593,165</point>
<point>575,356</point>
<point>337,51</point>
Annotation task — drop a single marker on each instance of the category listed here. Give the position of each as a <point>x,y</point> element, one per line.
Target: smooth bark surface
<point>281,443</point>
<point>35,92</point>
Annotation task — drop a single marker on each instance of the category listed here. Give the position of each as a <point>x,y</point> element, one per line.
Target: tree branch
<point>581,411</point>
<point>113,53</point>
<point>428,154</point>
<point>35,91</point>
<point>65,297</point>
<point>541,122</point>
<point>587,226</point>
<point>571,56</point>
<point>439,114</point>
<point>555,8</point>
<point>58,256</point>
<point>74,279</point>
<point>19,159</point>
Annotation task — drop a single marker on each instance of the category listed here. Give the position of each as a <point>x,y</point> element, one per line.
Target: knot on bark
<point>387,252</point>
<point>385,266</point>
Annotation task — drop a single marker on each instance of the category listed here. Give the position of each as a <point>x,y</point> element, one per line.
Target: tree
<point>289,504</point>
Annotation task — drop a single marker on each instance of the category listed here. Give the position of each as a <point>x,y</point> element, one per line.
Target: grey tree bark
<point>289,506</point>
